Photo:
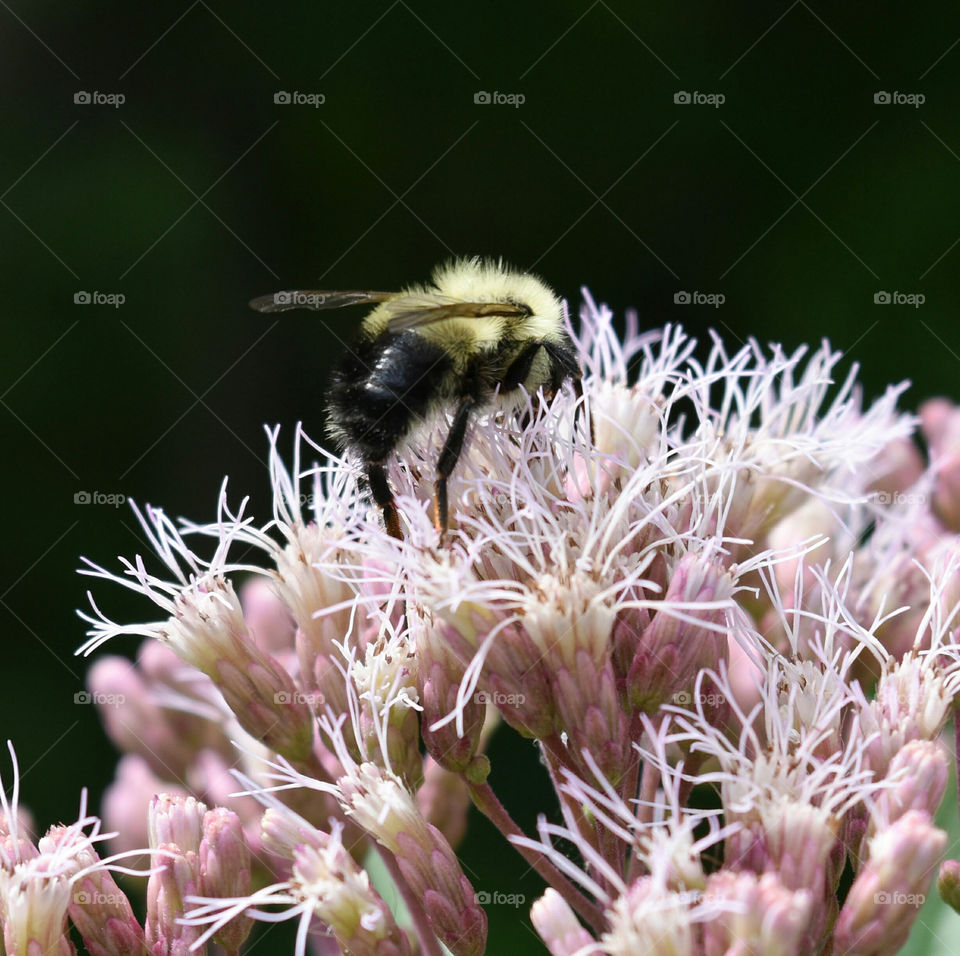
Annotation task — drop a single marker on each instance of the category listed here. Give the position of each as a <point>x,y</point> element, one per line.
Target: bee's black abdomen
<point>382,387</point>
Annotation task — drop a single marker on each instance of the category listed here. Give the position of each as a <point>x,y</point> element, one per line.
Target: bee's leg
<point>566,366</point>
<point>517,374</point>
<point>383,496</point>
<point>447,461</point>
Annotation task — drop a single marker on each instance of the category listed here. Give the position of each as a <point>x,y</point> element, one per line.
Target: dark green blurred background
<point>798,200</point>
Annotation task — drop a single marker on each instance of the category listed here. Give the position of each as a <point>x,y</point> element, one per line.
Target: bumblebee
<point>466,343</point>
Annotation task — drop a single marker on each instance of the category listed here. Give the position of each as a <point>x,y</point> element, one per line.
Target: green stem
<point>429,944</point>
<point>556,755</point>
<point>490,806</point>
<point>589,828</point>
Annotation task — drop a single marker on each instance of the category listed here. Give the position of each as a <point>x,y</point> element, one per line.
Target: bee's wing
<point>411,312</point>
<point>315,299</point>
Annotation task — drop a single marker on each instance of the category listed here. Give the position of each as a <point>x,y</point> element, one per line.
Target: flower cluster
<point>726,613</point>
<point>60,881</point>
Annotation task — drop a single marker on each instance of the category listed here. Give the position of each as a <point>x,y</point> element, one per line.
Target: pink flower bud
<point>588,707</point>
<point>938,421</point>
<point>649,918</point>
<point>321,677</point>
<point>886,896</point>
<point>160,664</point>
<point>745,677</point>
<point>176,820</point>
<point>441,675</point>
<point>946,494</point>
<point>912,703</point>
<point>919,773</point>
<point>673,649</point>
<point>386,684</point>
<point>19,848</point>
<point>167,677</point>
<point>269,621</point>
<point>444,801</point>
<point>209,632</point>
<point>324,875</point>
<point>136,723</point>
<point>33,904</point>
<point>515,674</point>
<point>322,598</point>
<point>126,802</point>
<point>558,926</point>
<point>225,870</point>
<point>383,807</point>
<point>167,890</point>
<point>210,777</point>
<point>791,838</point>
<point>761,498</point>
<point>896,468</point>
<point>99,910</point>
<point>754,914</point>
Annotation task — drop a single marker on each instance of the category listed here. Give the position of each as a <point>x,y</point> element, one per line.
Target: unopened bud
<point>558,926</point>
<point>225,870</point>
